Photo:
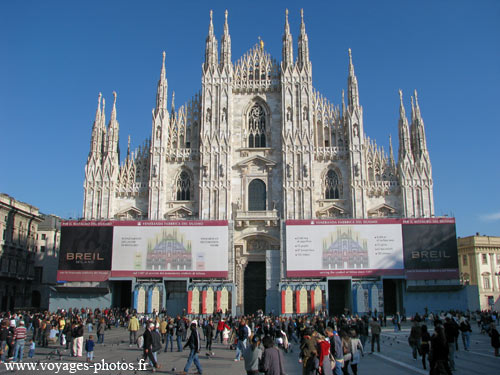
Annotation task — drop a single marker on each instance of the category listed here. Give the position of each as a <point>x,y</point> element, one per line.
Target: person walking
<point>78,339</point>
<point>336,350</point>
<point>101,326</point>
<point>252,355</point>
<point>415,338</point>
<point>424,344</point>
<point>194,345</point>
<point>156,346</point>
<point>272,359</point>
<point>179,332</point>
<point>4,338</point>
<point>356,352</point>
<point>495,338</point>
<point>451,332</point>
<point>307,347</point>
<point>163,330</point>
<point>209,334</point>
<point>19,341</point>
<point>68,332</point>
<point>31,352</point>
<point>439,352</point>
<point>396,321</point>
<point>347,350</point>
<point>170,335</point>
<point>242,334</point>
<point>147,346</point>
<point>376,329</point>
<point>466,331</point>
<point>312,366</point>
<point>133,327</point>
<point>323,350</point>
<point>220,329</point>
<point>89,348</point>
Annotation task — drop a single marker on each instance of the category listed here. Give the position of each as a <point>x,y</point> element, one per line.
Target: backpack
<point>140,341</point>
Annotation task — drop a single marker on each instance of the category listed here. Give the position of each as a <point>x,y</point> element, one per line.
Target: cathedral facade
<point>258,145</point>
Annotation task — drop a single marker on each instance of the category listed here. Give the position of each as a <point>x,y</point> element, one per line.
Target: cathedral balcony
<point>330,153</point>
<point>382,188</point>
<point>181,154</point>
<point>270,218</point>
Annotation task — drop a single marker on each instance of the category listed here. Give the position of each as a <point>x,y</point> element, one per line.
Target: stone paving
<point>394,358</point>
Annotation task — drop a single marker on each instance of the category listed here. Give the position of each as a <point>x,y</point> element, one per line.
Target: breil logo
<point>83,256</point>
<point>430,255</point>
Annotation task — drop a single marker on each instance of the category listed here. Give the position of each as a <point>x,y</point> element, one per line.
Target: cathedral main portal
<point>255,287</point>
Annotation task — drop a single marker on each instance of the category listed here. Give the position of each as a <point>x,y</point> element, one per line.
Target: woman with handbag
<point>347,349</point>
<point>356,352</point>
<point>324,355</point>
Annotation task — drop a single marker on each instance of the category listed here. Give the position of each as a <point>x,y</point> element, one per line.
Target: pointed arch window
<point>257,195</point>
<point>184,187</point>
<point>256,127</point>
<point>332,186</point>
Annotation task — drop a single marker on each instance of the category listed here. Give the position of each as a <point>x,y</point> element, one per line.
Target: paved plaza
<point>394,358</point>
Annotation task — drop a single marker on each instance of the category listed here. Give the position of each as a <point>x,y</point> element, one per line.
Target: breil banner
<point>418,248</point>
<point>430,249</point>
<point>98,250</point>
<point>85,253</point>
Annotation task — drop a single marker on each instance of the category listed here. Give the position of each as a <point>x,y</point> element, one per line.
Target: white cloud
<point>491,217</point>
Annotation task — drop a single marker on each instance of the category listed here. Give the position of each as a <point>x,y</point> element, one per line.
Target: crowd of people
<point>325,345</point>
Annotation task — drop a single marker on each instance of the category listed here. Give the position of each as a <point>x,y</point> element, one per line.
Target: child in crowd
<point>89,348</point>
<point>31,353</point>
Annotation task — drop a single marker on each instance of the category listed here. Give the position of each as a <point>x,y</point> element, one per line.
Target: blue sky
<point>58,55</point>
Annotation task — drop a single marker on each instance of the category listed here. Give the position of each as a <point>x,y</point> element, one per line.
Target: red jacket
<point>324,349</point>
<point>220,325</point>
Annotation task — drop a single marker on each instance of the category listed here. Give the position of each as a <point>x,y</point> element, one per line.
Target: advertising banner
<point>170,249</point>
<point>321,248</point>
<point>85,251</point>
<point>430,249</point>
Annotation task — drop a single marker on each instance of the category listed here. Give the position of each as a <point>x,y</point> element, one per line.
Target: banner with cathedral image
<point>185,248</point>
<point>322,248</point>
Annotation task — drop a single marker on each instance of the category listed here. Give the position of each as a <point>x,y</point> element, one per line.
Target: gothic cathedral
<point>258,145</point>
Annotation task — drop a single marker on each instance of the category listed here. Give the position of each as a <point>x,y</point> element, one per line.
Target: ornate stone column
<point>241,264</point>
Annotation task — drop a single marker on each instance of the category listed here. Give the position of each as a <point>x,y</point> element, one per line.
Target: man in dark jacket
<point>307,347</point>
<point>209,334</point>
<point>451,332</point>
<point>272,359</point>
<point>242,339</point>
<point>148,345</point>
<point>179,332</point>
<point>336,350</point>
<point>195,346</point>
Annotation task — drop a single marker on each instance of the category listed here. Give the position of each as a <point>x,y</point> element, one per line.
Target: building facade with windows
<point>48,240</point>
<point>256,146</point>
<point>479,262</point>
<point>19,225</point>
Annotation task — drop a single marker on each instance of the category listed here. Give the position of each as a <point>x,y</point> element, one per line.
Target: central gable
<point>256,69</point>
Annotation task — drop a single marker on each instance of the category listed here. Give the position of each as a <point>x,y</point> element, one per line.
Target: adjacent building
<point>46,260</point>
<point>19,223</point>
<point>479,262</point>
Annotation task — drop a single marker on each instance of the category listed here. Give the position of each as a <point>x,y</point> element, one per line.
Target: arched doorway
<point>257,195</point>
<point>36,298</point>
<point>255,287</point>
